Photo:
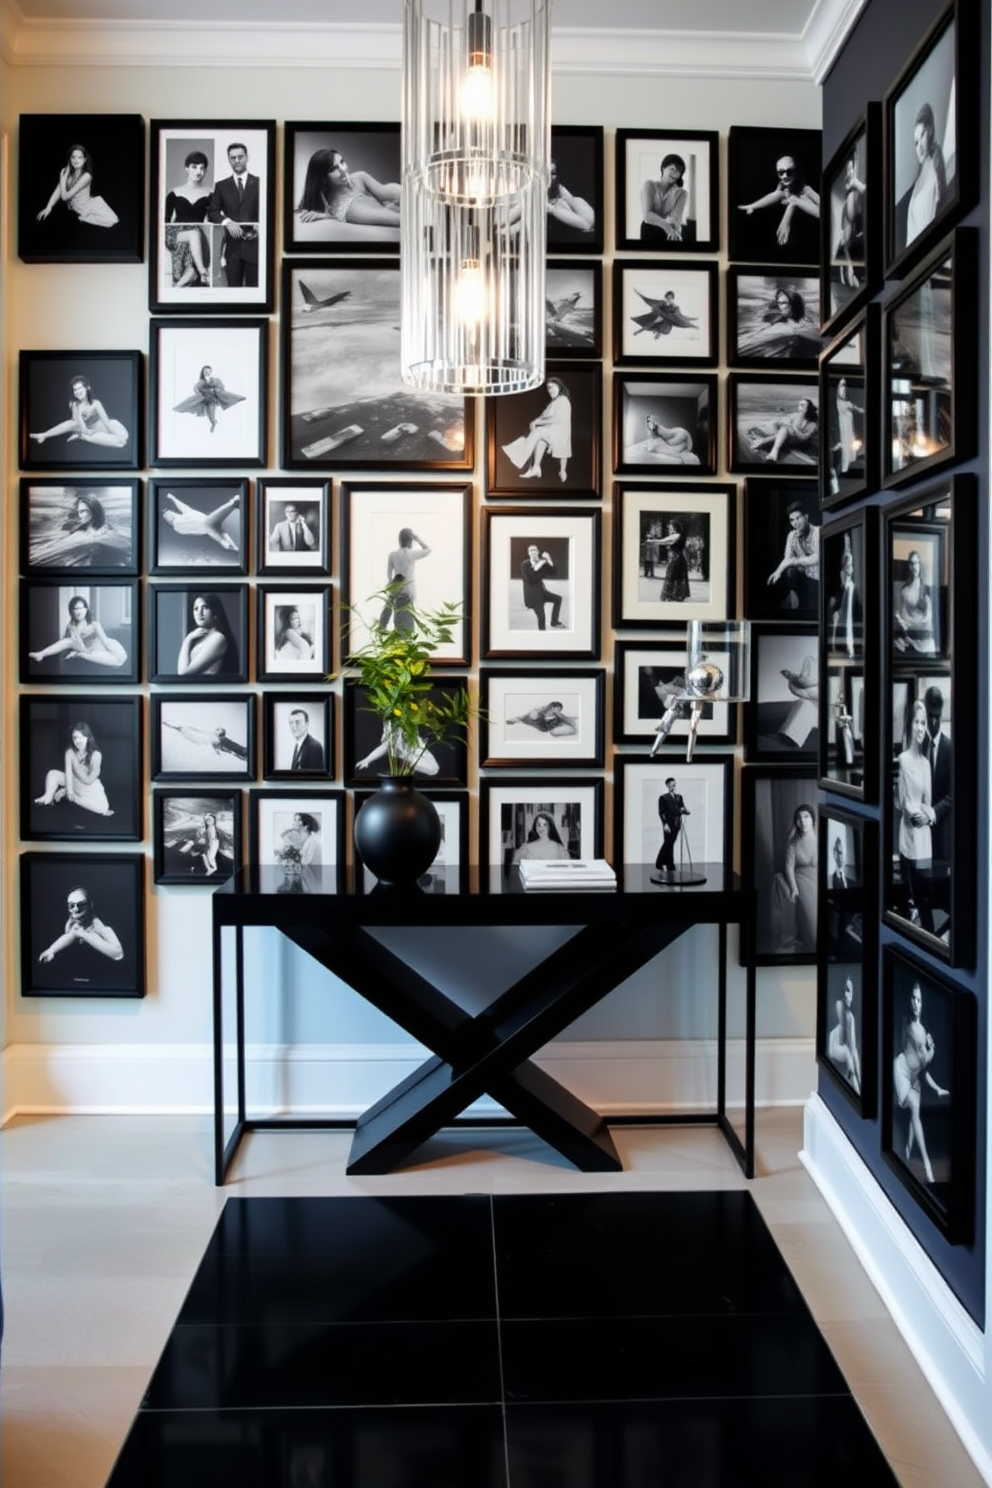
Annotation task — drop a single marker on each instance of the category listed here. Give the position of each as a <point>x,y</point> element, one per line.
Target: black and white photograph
<point>540,583</point>
<point>781,550</point>
<point>546,442</point>
<point>673,555</point>
<point>782,718</point>
<point>574,309</point>
<point>674,815</point>
<point>780,856</point>
<point>92,526</point>
<point>774,421</point>
<point>661,421</point>
<point>841,1038</point>
<point>198,635</point>
<point>298,735</point>
<point>847,758</point>
<point>366,746</point>
<point>847,981</point>
<point>342,188</point>
<point>540,820</point>
<point>208,392</point>
<point>196,738</point>
<point>668,190</point>
<point>298,836</point>
<point>195,524</point>
<point>81,188</point>
<point>851,257</point>
<point>80,410</point>
<point>293,631</point>
<point>82,925</point>
<point>293,527</point>
<point>844,573</point>
<point>196,836</point>
<point>212,216</point>
<point>448,873</point>
<point>538,718</point>
<point>849,401</point>
<point>924,544</point>
<point>649,682</point>
<point>664,314</point>
<point>773,315</point>
<point>79,632</point>
<point>773,195</point>
<point>575,189</point>
<point>80,775</point>
<point>344,403</point>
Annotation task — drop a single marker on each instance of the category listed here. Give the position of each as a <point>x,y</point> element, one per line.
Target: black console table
<point>488,1052</point>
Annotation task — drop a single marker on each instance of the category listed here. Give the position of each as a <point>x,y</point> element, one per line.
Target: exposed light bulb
<point>476,94</point>
<point>470,293</point>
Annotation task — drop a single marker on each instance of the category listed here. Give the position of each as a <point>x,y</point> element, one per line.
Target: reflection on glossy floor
<point>106,1221</point>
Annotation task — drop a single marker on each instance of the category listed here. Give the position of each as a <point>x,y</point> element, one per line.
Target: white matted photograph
<point>293,631</point>
<point>664,313</point>
<point>540,569</point>
<point>537,718</point>
<point>293,526</point>
<point>540,820</point>
<point>673,814</point>
<point>674,555</point>
<point>208,387</point>
<point>302,834</point>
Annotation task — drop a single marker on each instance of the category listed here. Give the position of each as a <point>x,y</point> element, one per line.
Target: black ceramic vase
<point>398,831</point>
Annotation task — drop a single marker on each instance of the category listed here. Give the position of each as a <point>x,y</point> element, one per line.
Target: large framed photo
<point>665,314</point>
<point>81,188</point>
<point>574,309</point>
<point>92,525</point>
<point>212,216</point>
<point>196,836</point>
<point>546,442</point>
<point>542,718</point>
<point>773,315</point>
<point>198,635</point>
<point>849,404</point>
<point>851,241</point>
<point>547,820</point>
<point>293,628</point>
<point>648,680</point>
<point>344,404</point>
<point>929,1033</point>
<point>773,195</point>
<point>293,527</point>
<point>773,421</point>
<point>298,736</point>
<point>80,774</point>
<point>849,670</point>
<point>82,925</point>
<point>673,555</point>
<point>782,718</point>
<point>300,833</point>
<point>668,190</point>
<point>448,873</point>
<point>197,524</point>
<point>575,190</point>
<point>847,980</point>
<point>365,745</point>
<point>779,855</point>
<point>781,550</point>
<point>79,632</point>
<point>540,572</point>
<point>664,420</point>
<point>342,188</point>
<point>209,739</point>
<point>79,410</point>
<point>673,814</point>
<point>929,346</point>
<point>208,397</point>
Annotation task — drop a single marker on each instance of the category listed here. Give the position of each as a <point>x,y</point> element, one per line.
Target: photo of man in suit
<point>235,204</point>
<point>293,534</point>
<point>308,752</point>
<point>671,809</point>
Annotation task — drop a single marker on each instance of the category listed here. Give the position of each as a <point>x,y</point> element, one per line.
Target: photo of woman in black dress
<point>185,214</point>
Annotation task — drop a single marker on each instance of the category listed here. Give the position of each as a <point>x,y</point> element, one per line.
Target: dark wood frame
<point>123,874</point>
<point>841,675</point>
<point>541,525</point>
<point>546,792</point>
<point>862,335</point>
<point>672,762</point>
<point>454,761</point>
<point>804,780</point>
<point>580,148</point>
<point>311,703</point>
<point>789,279</point>
<point>94,675</point>
<point>629,505</point>
<point>71,492</point>
<point>341,237</point>
<point>162,386</point>
<point>321,664</point>
<point>789,388</point>
<point>554,756</point>
<point>44,406</point>
<point>625,386</point>
<point>116,138</point>
<point>631,725</point>
<point>288,489</point>
<point>164,875</point>
<point>237,594</point>
<point>673,138</point>
<point>839,301</point>
<point>61,822</point>
<point>202,559</point>
<point>765,636</point>
<point>665,349</point>
<point>227,774</point>
<point>563,343</point>
<point>502,477</point>
<point>848,922</point>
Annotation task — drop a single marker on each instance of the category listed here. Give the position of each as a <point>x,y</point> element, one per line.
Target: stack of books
<point>570,873</point>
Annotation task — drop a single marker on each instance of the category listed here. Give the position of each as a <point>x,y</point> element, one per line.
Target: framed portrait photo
<point>212,216</point>
<point>781,550</point>
<point>81,769</point>
<point>773,317</point>
<point>80,410</point>
<point>196,836</point>
<point>574,309</point>
<point>293,627</point>
<point>208,392</point>
<point>197,524</point>
<point>342,188</point>
<point>536,718</point>
<point>82,925</point>
<point>779,855</point>
<point>673,814</point>
<point>299,833</point>
<point>668,190</point>
<point>773,421</point>
<point>648,677</point>
<point>365,742</point>
<point>847,980</point>
<point>782,716</point>
<point>448,873</point>
<point>851,240</point>
<point>198,635</point>
<point>546,442</point>
<point>196,738</point>
<point>543,819</point>
<point>293,530</point>
<point>575,191</point>
<point>773,195</point>
<point>929,555</point>
<point>81,631</point>
<point>849,406</point>
<point>662,421</point>
<point>540,590</point>
<point>88,526</point>
<point>81,188</point>
<point>298,736</point>
<point>849,659</point>
<point>673,555</point>
<point>664,313</point>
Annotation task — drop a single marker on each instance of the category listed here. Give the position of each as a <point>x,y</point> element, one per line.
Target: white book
<point>566,871</point>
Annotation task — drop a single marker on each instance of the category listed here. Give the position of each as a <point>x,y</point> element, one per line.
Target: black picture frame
<point>758,193</point>
<point>309,854</point>
<point>782,592</point>
<point>201,420</point>
<point>340,409</point>
<point>706,815</point>
<point>372,153</point>
<point>446,763</point>
<point>929,347</point>
<point>188,847</point>
<point>193,255</point>
<point>293,632</point>
<point>644,520</point>
<point>80,224</point>
<point>781,861</point>
<point>196,525</point>
<point>648,676</point>
<point>673,305</point>
<point>847,959</point>
<point>282,546</point>
<point>537,718</point>
<point>95,624</point>
<point>100,430</point>
<point>664,422</point>
<point>88,526</point>
<point>850,674</point>
<point>512,627</point>
<point>773,421</point>
<point>295,747</point>
<point>179,647</point>
<point>686,203</point>
<point>449,872</point>
<point>105,775</point>
<point>573,309</point>
<point>851,221</point>
<point>561,427</point>
<point>851,412</point>
<point>508,809</point>
<point>921,1059</point>
<point>110,889</point>
<point>773,317</point>
<point>575,194</point>
<point>782,715</point>
<point>206,739</point>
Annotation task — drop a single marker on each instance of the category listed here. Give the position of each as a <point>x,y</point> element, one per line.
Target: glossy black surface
<point>598,1340</point>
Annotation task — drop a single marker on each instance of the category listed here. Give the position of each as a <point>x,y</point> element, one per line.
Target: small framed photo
<point>847,981</point>
<point>847,748</point>
<point>664,420</point>
<point>344,404</point>
<point>540,573</point>
<point>536,718</point>
<point>298,736</point>
<point>196,836</point>
<point>212,216</point>
<point>925,552</point>
<point>417,537</point>
<point>851,251</point>
<point>929,1037</point>
<point>673,555</point>
<point>81,188</point>
<point>342,188</point>
<point>293,531</point>
<point>574,309</point>
<point>197,524</point>
<point>91,525</point>
<point>79,632</point>
<point>781,550</point>
<point>773,195</point>
<point>782,718</point>
<point>208,396</point>
<point>294,630</point>
<point>198,635</point>
<point>773,316</point>
<point>849,660</point>
<point>80,410</point>
<point>773,421</point>
<point>575,191</point>
<point>928,344</point>
<point>546,442</point>
<point>81,763</point>
<point>849,402</point>
<point>365,750</point>
<point>668,190</point>
<point>209,739</point>
<point>673,814</point>
<point>301,834</point>
<point>542,819</point>
<point>82,925</point>
<point>845,575</point>
<point>648,679</point>
<point>779,855</point>
<point>665,314</point>
<point>449,871</point>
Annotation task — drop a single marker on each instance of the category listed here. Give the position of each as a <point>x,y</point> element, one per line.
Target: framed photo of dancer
<point>88,526</point>
<point>672,555</point>
<point>773,195</point>
<point>774,421</point>
<point>208,399</point>
<point>668,190</point>
<point>196,836</point>
<point>81,188</point>
<point>781,550</point>
<point>847,982</point>
<point>574,309</point>
<point>297,736</point>
<point>540,583</point>
<point>292,532</point>
<point>575,190</point>
<point>852,416</point>
<point>664,314</point>
<point>664,424</point>
<point>546,442</point>
<point>198,635</point>
<point>539,718</point>
<point>80,410</point>
<point>342,188</point>
<point>782,717</point>
<point>79,631</point>
<point>779,855</point>
<point>671,814</point>
<point>773,318</point>
<point>851,222</point>
<point>365,746</point>
<point>449,871</point>
<point>296,840</point>
<point>197,524</point>
<point>81,762</point>
<point>543,819</point>
<point>208,739</point>
<point>648,679</point>
<point>293,628</point>
<point>82,925</point>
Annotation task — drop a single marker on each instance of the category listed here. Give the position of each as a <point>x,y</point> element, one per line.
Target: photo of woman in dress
<point>910,1072</point>
<point>185,216</point>
<point>913,618</point>
<point>73,527</point>
<point>195,836</point>
<point>915,818</point>
<point>550,433</point>
<point>794,889</point>
<point>209,397</point>
<point>78,781</point>
<point>84,639</point>
<point>663,204</point>
<point>543,843</point>
<point>88,420</point>
<point>842,1041</point>
<point>209,648</point>
<point>929,193</point>
<point>675,585</point>
<point>75,180</point>
<point>290,641</point>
